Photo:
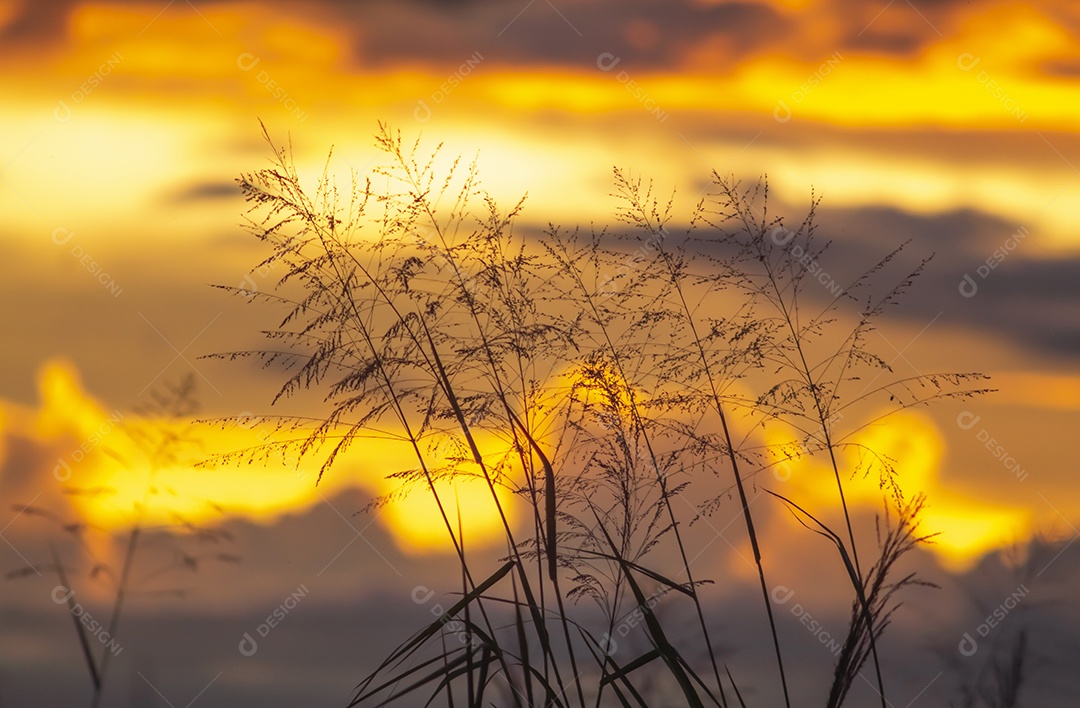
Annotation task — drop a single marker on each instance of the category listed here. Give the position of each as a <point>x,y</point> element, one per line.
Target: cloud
<point>643,33</point>
<point>1066,68</point>
<point>982,276</point>
<point>205,191</point>
<point>36,21</point>
<point>647,36</point>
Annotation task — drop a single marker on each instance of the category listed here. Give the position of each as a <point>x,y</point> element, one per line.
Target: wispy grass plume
<point>595,376</point>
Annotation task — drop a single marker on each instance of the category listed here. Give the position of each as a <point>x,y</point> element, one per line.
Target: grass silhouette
<point>161,434</point>
<point>614,368</point>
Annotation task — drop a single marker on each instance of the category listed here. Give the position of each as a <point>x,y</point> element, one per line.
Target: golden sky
<point>123,126</point>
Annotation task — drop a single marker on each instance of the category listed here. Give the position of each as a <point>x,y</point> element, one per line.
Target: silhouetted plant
<point>604,370</point>
<point>162,431</point>
<point>1011,651</point>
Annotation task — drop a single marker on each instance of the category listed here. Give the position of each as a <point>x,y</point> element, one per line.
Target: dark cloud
<point>1028,301</point>
<point>645,35</point>
<point>1067,68</point>
<point>18,466</point>
<point>641,34</point>
<point>38,22</point>
<point>886,42</point>
<point>206,191</point>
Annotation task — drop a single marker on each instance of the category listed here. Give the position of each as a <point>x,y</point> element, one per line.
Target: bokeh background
<point>123,126</point>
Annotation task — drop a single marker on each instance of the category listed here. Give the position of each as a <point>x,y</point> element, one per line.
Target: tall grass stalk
<point>598,387</point>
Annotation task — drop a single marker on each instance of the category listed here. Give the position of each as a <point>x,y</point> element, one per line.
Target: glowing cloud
<point>108,474</point>
<point>912,444</point>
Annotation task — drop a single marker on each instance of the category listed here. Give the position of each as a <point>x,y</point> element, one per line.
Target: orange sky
<point>123,126</point>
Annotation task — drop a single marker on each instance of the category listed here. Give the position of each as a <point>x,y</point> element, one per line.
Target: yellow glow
<point>420,528</point>
<point>909,439</point>
<point>968,529</point>
<point>968,532</point>
<point>95,451</point>
<point>92,168</point>
<point>116,155</point>
<point>166,118</point>
<point>949,85</point>
<point>860,89</point>
<point>64,407</point>
<point>150,41</point>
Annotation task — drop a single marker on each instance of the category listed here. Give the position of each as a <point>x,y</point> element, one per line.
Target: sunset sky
<point>124,125</point>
